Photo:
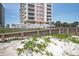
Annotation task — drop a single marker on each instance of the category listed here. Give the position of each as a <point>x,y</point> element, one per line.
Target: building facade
<point>36,13</point>
<point>2,16</point>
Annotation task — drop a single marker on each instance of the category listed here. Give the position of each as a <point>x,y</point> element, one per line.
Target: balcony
<point>31,13</point>
<point>48,19</point>
<point>48,8</point>
<point>49,12</point>
<point>30,9</point>
<point>30,5</point>
<point>31,18</point>
<point>49,5</point>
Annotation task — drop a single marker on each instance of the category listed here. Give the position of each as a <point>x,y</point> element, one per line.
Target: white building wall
<point>37,18</point>
<point>45,13</point>
<point>39,10</point>
<point>35,11</point>
<point>26,12</point>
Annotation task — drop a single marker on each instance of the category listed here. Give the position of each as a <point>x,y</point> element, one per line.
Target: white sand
<point>57,48</point>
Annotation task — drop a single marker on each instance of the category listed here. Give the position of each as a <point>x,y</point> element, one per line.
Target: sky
<point>12,15</point>
<point>64,12</point>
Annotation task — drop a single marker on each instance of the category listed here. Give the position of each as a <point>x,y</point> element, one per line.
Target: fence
<point>24,34</point>
<point>31,26</point>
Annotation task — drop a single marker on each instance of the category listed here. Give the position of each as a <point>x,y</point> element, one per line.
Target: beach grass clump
<point>62,37</point>
<point>39,44</point>
<point>74,40</point>
<point>35,45</point>
<point>66,37</point>
<point>10,30</point>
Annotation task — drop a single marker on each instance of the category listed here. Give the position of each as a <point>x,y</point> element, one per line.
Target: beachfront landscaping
<point>66,37</point>
<point>10,30</point>
<point>50,45</point>
<point>34,46</point>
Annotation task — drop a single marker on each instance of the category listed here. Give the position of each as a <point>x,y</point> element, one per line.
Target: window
<point>30,13</point>
<point>30,9</point>
<point>30,5</point>
<point>30,17</point>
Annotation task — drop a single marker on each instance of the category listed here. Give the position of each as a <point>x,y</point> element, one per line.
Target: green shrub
<point>32,45</point>
<point>74,40</point>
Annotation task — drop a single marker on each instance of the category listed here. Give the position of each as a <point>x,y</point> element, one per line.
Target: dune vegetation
<point>35,45</point>
<point>39,44</point>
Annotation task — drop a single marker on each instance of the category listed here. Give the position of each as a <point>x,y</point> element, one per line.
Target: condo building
<point>2,16</point>
<point>36,13</point>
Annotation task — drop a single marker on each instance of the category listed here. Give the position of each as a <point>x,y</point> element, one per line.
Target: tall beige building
<point>37,13</point>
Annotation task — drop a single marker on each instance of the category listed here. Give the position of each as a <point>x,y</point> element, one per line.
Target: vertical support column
<point>3,38</point>
<point>49,31</point>
<point>38,32</point>
<point>67,31</point>
<point>22,34</point>
<point>76,30</point>
<point>59,31</point>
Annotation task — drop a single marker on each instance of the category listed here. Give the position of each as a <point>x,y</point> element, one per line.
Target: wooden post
<point>67,31</point>
<point>38,32</point>
<point>50,31</point>
<point>22,34</point>
<point>59,31</point>
<point>3,38</point>
<point>76,30</point>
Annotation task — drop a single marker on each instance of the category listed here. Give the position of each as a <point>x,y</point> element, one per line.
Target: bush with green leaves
<point>39,44</point>
<point>61,36</point>
<point>74,40</point>
<point>66,37</point>
<point>35,45</point>
<point>10,30</point>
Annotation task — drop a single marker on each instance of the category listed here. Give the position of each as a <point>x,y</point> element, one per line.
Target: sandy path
<point>9,49</point>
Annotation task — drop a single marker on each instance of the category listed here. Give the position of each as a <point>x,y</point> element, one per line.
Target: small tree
<point>8,25</point>
<point>57,23</point>
<point>13,25</point>
<point>52,23</point>
<point>65,24</point>
<point>74,24</point>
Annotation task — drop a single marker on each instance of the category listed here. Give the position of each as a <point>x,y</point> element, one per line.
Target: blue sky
<point>66,12</point>
<point>63,12</point>
<point>12,13</point>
